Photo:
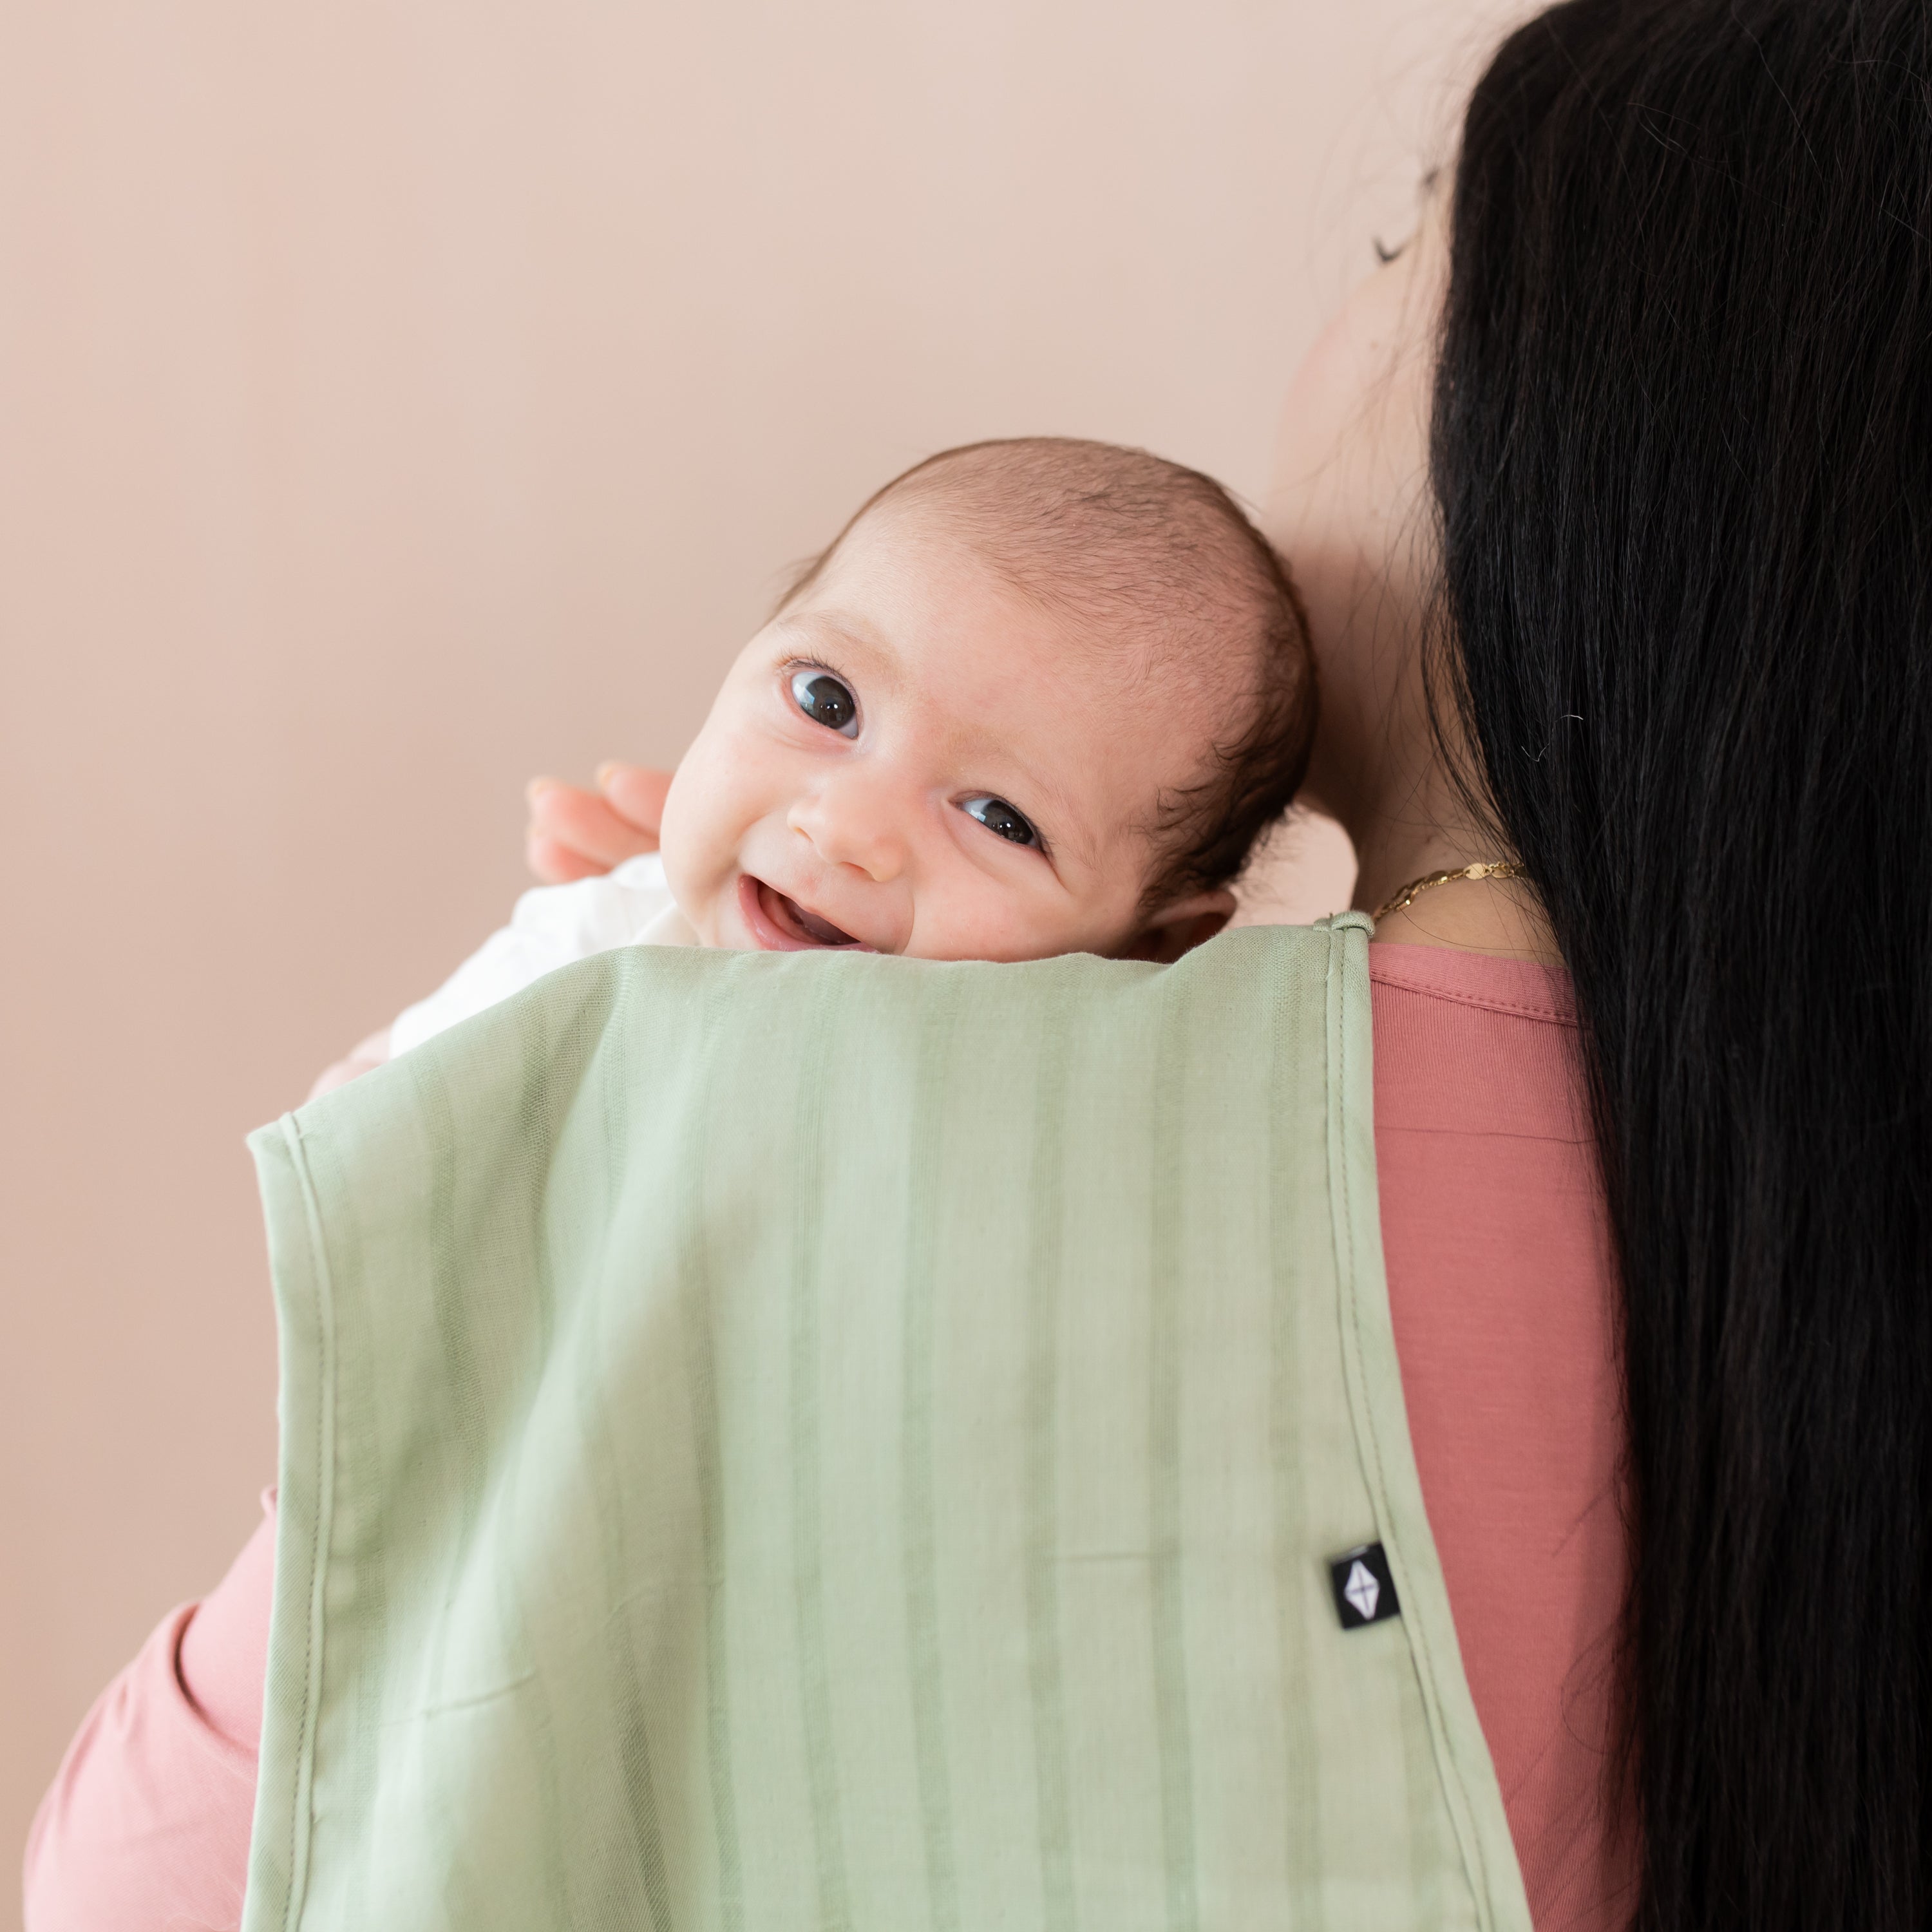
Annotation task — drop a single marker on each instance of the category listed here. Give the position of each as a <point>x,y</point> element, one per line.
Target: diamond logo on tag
<point>1364,1590</point>
<point>1361,1589</point>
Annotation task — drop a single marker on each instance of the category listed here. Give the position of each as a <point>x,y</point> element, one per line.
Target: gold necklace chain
<point>1489,868</point>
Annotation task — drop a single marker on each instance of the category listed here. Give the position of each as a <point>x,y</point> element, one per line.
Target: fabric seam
<point>302,1805</point>
<point>1516,1010</point>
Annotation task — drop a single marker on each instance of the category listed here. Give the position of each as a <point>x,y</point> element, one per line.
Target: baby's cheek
<point>715,798</point>
<point>992,920</point>
<point>689,841</point>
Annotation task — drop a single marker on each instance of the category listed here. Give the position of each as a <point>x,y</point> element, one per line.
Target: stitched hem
<point>1389,974</point>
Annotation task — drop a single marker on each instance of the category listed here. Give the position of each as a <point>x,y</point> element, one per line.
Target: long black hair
<point>1681,450</point>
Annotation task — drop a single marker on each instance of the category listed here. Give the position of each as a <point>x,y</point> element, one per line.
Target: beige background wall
<point>396,400</point>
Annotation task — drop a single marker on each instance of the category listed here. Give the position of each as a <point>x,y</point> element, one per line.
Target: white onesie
<point>552,926</point>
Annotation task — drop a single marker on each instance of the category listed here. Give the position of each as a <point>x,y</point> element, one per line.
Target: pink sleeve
<point>146,1825</point>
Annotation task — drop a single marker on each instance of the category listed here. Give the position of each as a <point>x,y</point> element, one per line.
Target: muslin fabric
<point>778,1441</point>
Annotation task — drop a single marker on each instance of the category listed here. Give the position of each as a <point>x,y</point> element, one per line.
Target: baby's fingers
<point>556,865</point>
<point>574,833</point>
<point>636,793</point>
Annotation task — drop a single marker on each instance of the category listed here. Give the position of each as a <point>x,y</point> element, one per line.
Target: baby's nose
<point>854,824</point>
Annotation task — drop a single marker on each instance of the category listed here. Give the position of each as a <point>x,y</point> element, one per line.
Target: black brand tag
<point>1364,1590</point>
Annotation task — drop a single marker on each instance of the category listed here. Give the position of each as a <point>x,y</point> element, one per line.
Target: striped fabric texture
<point>778,1441</point>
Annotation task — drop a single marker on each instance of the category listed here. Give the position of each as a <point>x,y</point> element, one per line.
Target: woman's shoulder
<point>1468,1042</point>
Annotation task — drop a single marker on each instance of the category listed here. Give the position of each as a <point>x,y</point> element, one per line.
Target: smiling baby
<point>1039,696</point>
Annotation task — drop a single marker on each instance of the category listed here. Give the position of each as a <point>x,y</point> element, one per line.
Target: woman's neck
<point>1407,819</point>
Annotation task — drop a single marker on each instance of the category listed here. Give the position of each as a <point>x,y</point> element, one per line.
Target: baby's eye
<point>825,701</point>
<point>997,815</point>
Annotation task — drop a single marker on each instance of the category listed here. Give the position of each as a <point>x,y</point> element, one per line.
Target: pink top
<point>1503,1296</point>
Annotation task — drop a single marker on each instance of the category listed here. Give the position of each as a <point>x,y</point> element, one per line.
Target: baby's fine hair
<point>1138,550</point>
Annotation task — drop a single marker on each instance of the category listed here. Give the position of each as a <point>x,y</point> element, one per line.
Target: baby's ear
<point>1181,927</point>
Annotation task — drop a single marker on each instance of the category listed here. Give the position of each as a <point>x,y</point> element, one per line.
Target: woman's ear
<point>1181,927</point>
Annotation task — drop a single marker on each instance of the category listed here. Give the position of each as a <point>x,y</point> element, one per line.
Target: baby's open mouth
<point>777,919</point>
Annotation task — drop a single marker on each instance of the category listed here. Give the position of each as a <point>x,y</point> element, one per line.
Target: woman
<point>1625,463</point>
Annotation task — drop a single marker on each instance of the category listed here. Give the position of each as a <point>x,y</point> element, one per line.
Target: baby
<point>1039,697</point>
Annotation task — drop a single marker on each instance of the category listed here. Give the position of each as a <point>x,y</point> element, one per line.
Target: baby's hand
<point>575,834</point>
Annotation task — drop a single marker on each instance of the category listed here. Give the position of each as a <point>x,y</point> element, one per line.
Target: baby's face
<point>914,758</point>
